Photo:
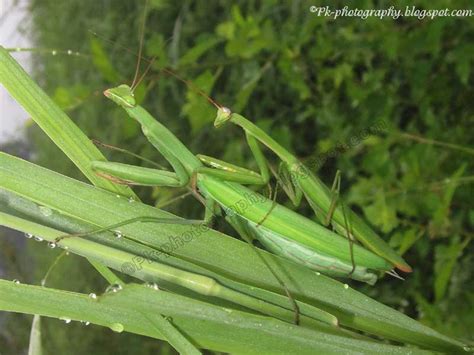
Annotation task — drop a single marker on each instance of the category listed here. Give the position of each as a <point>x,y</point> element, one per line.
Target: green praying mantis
<point>323,201</point>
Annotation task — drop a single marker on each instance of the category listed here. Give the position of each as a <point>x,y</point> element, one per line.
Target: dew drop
<point>117,327</point>
<point>38,239</point>
<point>93,296</point>
<point>87,323</point>
<point>29,235</point>
<point>114,288</point>
<point>66,320</point>
<point>131,199</point>
<point>169,319</point>
<point>152,285</point>
<point>346,286</point>
<point>226,110</point>
<point>318,273</point>
<point>52,245</point>
<point>54,52</point>
<point>118,234</point>
<point>118,196</point>
<point>69,52</point>
<point>16,281</point>
<point>46,211</point>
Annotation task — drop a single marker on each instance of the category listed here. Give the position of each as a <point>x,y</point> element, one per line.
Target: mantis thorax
<point>122,95</point>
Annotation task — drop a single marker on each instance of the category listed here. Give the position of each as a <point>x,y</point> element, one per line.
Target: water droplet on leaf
<point>113,288</point>
<point>46,211</point>
<point>152,285</point>
<point>117,327</point>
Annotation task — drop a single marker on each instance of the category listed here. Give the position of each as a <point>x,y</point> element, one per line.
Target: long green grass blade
<point>173,336</point>
<point>208,326</point>
<point>53,121</point>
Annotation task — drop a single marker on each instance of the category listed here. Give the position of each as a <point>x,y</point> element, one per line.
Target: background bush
<point>317,85</point>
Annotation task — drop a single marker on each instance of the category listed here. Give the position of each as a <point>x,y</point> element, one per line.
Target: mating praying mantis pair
<point>221,185</point>
<point>279,229</point>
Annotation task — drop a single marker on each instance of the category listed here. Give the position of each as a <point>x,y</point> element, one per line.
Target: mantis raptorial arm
<point>230,172</point>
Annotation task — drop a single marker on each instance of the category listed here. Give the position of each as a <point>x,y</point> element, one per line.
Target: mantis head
<point>223,115</point>
<point>122,95</point>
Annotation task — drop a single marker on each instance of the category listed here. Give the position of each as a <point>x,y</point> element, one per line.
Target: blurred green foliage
<point>311,82</point>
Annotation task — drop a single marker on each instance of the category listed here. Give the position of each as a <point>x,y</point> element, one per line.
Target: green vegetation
<point>315,85</point>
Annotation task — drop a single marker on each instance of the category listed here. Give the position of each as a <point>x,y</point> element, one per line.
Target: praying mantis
<point>284,231</point>
<point>321,199</point>
<point>222,185</point>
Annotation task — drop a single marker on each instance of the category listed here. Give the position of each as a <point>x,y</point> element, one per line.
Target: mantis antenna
<point>140,48</point>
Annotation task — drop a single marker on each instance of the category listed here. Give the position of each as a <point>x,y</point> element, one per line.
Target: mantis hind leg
<point>335,190</point>
<point>326,220</point>
<point>286,181</point>
<point>242,230</point>
<point>144,219</point>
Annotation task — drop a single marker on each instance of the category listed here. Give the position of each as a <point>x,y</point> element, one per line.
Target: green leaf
<point>441,220</point>
<point>382,214</point>
<point>445,260</point>
<point>208,326</point>
<point>54,122</point>
<point>194,53</point>
<point>102,61</point>
<point>196,109</point>
<point>405,239</point>
<point>165,326</point>
<point>156,48</point>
